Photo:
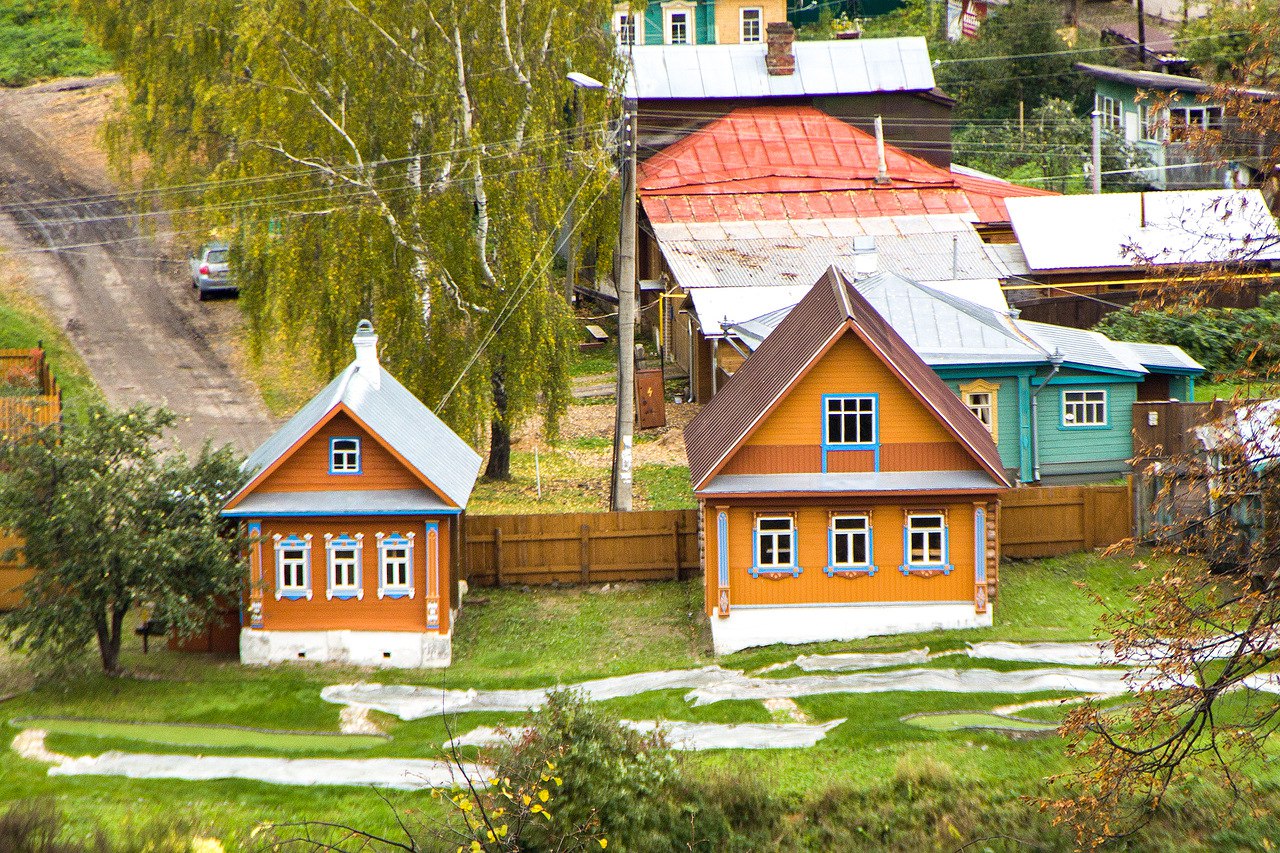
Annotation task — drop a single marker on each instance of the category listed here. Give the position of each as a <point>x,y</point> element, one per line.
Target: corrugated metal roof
<point>1155,81</point>
<point>854,67</point>
<point>881,481</point>
<point>831,308</point>
<point>1123,230</point>
<point>366,502</point>
<point>1080,346</point>
<point>1157,357</point>
<point>396,416</point>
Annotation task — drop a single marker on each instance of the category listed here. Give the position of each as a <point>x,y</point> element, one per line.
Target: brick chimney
<point>780,61</point>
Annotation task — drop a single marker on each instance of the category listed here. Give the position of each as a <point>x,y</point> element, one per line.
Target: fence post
<point>497,556</point>
<point>584,552</point>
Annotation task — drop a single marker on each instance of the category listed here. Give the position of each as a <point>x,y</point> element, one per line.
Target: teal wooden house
<point>1058,401</point>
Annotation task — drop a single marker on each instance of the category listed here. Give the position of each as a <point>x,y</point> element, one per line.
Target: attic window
<point>344,456</point>
<point>850,421</point>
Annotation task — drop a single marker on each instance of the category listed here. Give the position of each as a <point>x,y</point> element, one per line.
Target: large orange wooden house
<point>353,510</point>
<point>845,491</point>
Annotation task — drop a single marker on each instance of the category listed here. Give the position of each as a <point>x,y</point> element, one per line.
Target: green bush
<point>40,39</point>
<point>1224,340</point>
<point>36,826</point>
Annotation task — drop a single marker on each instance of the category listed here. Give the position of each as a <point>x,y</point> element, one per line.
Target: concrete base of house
<point>400,649</point>
<point>763,625</point>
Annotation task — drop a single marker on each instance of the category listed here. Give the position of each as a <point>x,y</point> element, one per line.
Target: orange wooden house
<point>353,508</point>
<point>845,491</point>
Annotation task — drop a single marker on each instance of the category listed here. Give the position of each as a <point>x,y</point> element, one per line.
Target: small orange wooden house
<point>845,491</point>
<point>353,508</point>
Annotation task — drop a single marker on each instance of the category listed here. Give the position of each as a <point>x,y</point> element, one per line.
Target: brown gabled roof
<point>830,309</point>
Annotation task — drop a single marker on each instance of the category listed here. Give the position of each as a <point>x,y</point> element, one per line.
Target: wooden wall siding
<point>728,18</point>
<point>850,461</point>
<point>849,368</point>
<point>814,586</point>
<point>1114,443</point>
<point>1171,435</point>
<point>1007,428</point>
<point>1051,520</point>
<point>925,456</point>
<point>580,547</point>
<point>369,613</point>
<point>308,469</point>
<point>763,459</point>
<point>12,574</point>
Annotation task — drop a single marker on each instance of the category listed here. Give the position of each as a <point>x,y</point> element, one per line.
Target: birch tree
<point>409,161</point>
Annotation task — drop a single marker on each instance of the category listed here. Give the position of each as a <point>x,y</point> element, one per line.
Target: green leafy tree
<point>108,523</point>
<point>412,163</point>
<point>1233,42</point>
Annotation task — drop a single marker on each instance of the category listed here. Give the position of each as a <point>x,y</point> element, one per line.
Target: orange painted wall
<point>12,574</point>
<point>813,585</point>
<point>307,470</point>
<point>370,613</point>
<point>850,367</point>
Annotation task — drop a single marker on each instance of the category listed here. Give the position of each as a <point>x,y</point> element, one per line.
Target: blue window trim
<point>1062,410</point>
<point>395,540</point>
<point>756,569</point>
<point>331,588</point>
<point>907,567</point>
<point>873,445</point>
<point>359,456</point>
<point>722,546</point>
<point>979,545</point>
<point>295,593</point>
<point>868,568</point>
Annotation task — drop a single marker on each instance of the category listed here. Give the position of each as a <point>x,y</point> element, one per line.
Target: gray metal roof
<point>368,502</point>
<point>396,416</point>
<point>850,67</point>
<point>1158,357</point>
<point>880,481</point>
<point>1159,82</point>
<point>1079,346</point>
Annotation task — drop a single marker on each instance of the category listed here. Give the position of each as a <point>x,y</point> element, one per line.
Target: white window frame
<point>778,536</point>
<point>850,526</point>
<point>347,460</point>
<point>1086,402</point>
<point>389,542</point>
<point>690,23</point>
<point>1112,113</point>
<point>336,588</point>
<point>284,544</point>
<point>915,527</point>
<point>1153,123</point>
<point>758,37</point>
<point>626,22</point>
<point>866,404</point>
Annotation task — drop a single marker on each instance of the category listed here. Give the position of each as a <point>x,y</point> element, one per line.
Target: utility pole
<point>1096,177</point>
<point>1142,34</point>
<point>626,411</point>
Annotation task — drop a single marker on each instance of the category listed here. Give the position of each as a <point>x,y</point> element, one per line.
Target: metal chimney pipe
<point>882,165</point>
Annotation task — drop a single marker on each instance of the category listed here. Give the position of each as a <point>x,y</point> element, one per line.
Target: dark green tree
<point>109,523</point>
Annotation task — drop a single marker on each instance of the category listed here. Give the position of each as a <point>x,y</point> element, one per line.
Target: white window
<point>1112,113</point>
<point>851,420</point>
<point>926,540</point>
<point>750,25</point>
<point>1186,122</point>
<point>850,542</point>
<point>293,566</point>
<point>345,573</point>
<point>775,542</point>
<point>395,565</point>
<point>1084,408</point>
<point>979,402</point>
<point>625,28</point>
<point>344,456</point>
<point>1153,123</point>
<point>679,23</point>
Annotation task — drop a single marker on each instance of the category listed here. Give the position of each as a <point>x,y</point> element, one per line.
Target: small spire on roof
<point>366,344</point>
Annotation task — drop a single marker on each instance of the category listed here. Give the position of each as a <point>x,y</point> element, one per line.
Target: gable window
<point>851,421</point>
<point>775,545</point>
<point>849,544</point>
<point>982,398</point>
<point>343,553</point>
<point>293,566</point>
<point>395,565</point>
<point>1084,408</point>
<point>679,22</point>
<point>925,542</point>
<point>750,25</point>
<point>625,28</point>
<point>344,456</point>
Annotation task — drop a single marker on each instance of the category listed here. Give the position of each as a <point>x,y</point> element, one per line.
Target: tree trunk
<point>109,639</point>
<point>499,465</point>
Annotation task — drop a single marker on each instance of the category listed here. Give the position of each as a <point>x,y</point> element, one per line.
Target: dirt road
<point>127,307</point>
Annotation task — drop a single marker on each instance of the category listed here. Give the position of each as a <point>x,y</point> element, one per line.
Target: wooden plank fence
<point>29,395</point>
<point>584,547</point>
<point>1050,520</point>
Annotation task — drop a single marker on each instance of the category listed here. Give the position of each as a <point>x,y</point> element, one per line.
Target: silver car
<point>211,270</point>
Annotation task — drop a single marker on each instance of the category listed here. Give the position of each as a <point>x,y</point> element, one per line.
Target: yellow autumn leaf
<point>604,842</point>
<point>544,795</point>
<point>526,799</point>
<point>536,808</point>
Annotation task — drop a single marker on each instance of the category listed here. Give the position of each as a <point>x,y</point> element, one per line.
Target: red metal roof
<point>800,163</point>
<point>833,307</point>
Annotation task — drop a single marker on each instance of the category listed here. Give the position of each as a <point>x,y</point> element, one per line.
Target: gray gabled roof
<point>1082,347</point>
<point>395,416</point>
<point>1162,357</point>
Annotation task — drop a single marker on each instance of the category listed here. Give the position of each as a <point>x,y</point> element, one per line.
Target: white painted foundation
<point>401,649</point>
<point>763,625</point>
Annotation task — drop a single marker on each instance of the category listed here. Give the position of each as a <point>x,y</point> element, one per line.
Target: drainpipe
<point>1056,361</point>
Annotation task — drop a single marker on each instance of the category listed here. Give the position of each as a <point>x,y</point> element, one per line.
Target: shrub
<point>36,826</point>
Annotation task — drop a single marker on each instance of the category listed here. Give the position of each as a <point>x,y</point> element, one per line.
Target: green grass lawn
<point>40,39</point>
<point>195,736</point>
